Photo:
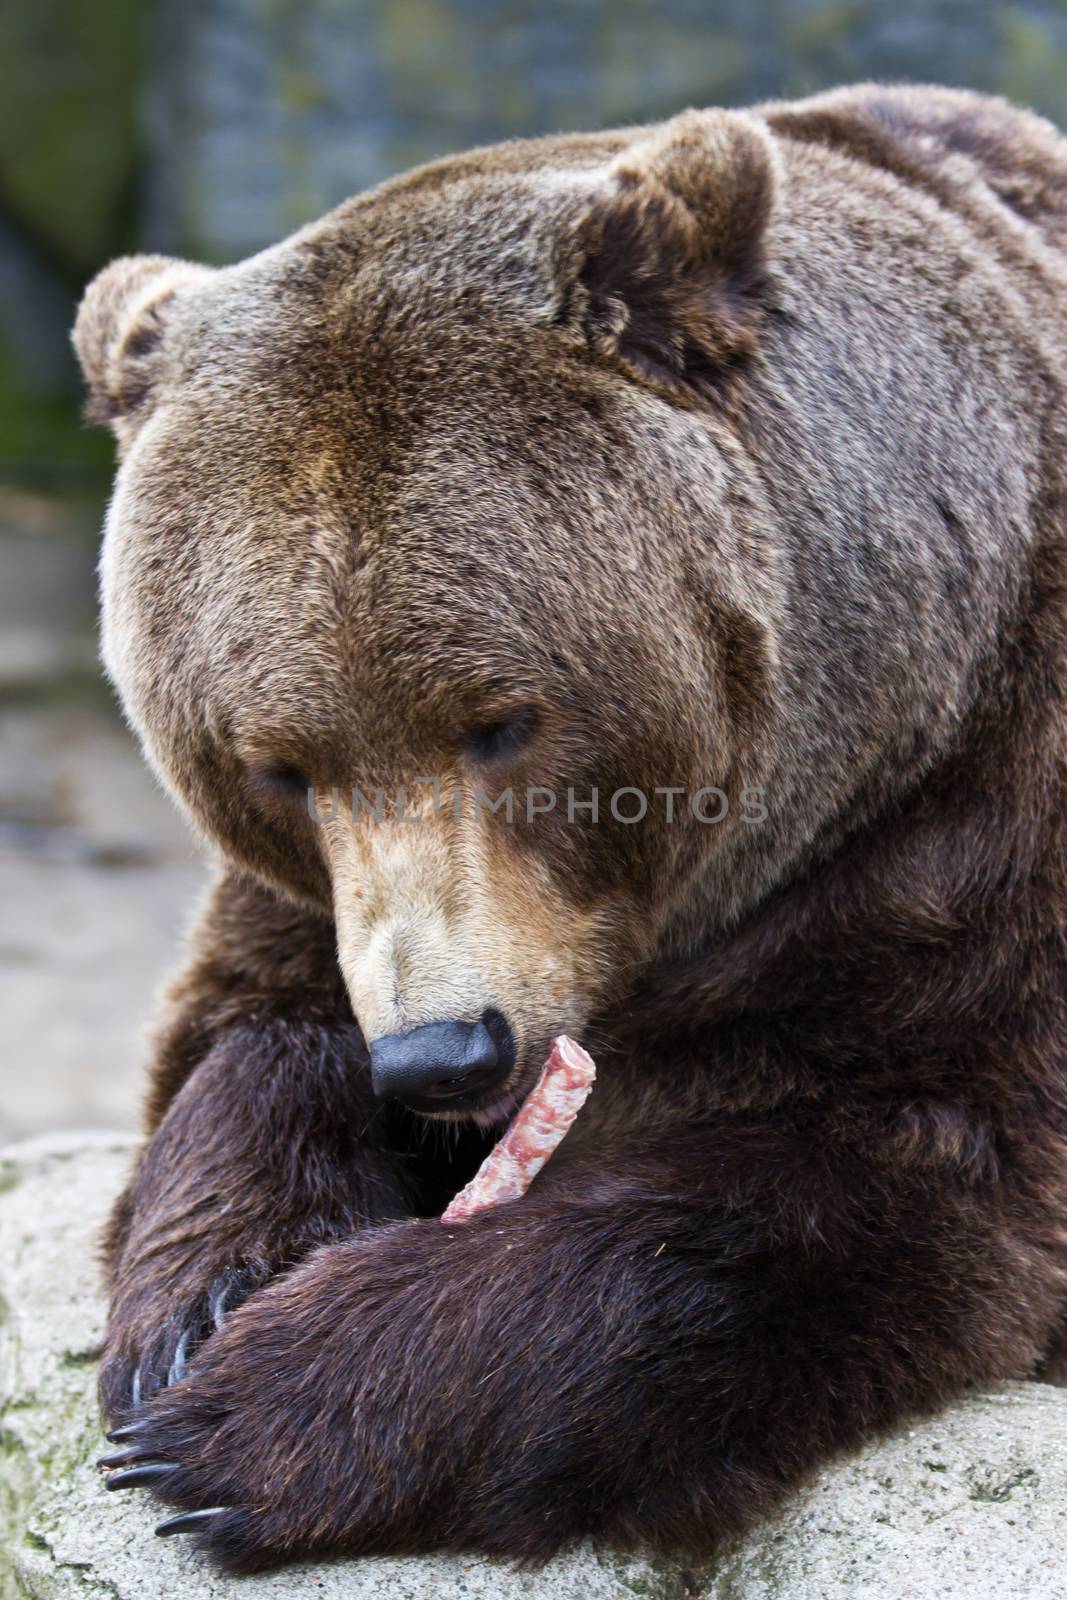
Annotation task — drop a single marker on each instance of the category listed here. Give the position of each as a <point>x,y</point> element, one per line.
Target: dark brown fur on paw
<point>261,1156</point>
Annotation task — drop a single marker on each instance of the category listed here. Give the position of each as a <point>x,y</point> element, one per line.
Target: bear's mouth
<point>498,1113</point>
<point>494,1114</point>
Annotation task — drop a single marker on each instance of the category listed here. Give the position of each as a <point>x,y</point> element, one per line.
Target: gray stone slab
<point>970,1505</point>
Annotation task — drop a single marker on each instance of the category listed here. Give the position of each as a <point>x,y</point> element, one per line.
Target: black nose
<point>442,1065</point>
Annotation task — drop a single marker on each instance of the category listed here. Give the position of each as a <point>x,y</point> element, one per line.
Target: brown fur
<point>726,452</point>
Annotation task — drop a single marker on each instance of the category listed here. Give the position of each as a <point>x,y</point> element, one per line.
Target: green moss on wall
<point>68,122</point>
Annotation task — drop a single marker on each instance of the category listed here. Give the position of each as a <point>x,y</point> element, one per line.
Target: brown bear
<point>719,458</point>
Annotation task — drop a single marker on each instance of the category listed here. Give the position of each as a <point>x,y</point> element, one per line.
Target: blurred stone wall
<point>263,113</point>
<point>211,127</point>
<point>70,155</point>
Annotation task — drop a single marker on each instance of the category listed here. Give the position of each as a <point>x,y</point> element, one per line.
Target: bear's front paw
<point>289,1433</point>
<point>208,1444</point>
<point>149,1346</point>
<point>410,1389</point>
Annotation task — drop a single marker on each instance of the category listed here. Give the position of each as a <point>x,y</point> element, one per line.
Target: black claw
<point>218,1303</point>
<point>123,1458</point>
<point>189,1521</point>
<point>135,1476</point>
<point>127,1431</point>
<point>179,1363</point>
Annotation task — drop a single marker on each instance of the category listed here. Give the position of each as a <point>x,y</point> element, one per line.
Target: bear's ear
<point>119,332</point>
<point>666,267</point>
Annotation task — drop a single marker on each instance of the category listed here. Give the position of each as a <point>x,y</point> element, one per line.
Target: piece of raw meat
<point>533,1133</point>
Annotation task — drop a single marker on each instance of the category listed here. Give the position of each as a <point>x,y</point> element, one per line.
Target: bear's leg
<point>650,1346</point>
<point>266,1140</point>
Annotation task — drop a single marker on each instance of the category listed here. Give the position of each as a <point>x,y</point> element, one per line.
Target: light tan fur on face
<point>437,919</point>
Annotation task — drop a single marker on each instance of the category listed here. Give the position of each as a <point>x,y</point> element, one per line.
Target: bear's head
<point>432,504</point>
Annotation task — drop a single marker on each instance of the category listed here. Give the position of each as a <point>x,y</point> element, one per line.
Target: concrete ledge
<point>971,1505</point>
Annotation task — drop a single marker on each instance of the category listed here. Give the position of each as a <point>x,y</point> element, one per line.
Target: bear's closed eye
<point>505,737</point>
<point>285,780</point>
